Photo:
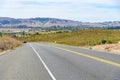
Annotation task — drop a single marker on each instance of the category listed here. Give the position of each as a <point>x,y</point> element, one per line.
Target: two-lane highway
<point>43,61</point>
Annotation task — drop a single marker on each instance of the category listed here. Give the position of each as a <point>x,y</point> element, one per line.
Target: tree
<point>0,34</point>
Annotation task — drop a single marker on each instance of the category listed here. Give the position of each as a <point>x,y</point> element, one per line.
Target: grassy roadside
<point>78,38</point>
<point>8,43</point>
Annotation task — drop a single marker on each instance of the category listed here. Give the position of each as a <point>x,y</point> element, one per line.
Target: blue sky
<point>78,10</point>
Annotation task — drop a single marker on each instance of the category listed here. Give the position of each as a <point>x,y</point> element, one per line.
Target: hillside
<point>36,22</point>
<point>77,38</point>
<point>48,22</point>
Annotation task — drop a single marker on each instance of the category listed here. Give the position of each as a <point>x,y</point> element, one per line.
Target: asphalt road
<point>43,61</point>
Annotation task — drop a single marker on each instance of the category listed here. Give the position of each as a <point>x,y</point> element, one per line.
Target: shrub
<point>109,42</point>
<point>103,41</point>
<point>8,43</point>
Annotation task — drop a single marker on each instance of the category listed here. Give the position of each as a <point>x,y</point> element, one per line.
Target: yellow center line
<point>91,57</point>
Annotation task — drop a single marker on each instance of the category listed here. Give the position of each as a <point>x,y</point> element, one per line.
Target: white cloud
<point>103,2</point>
<point>82,10</point>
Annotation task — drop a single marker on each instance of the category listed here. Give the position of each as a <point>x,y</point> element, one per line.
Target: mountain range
<point>48,22</point>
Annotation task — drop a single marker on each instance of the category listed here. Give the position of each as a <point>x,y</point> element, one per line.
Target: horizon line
<point>60,19</point>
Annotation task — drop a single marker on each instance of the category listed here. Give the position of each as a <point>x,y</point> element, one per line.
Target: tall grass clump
<point>8,43</point>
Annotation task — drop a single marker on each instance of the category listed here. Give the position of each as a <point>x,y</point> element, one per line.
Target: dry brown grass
<point>108,47</point>
<point>8,43</point>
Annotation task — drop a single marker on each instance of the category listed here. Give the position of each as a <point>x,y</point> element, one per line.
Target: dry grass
<point>108,47</point>
<point>8,43</point>
<point>78,38</point>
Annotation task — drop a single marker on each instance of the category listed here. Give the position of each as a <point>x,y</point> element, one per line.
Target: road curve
<point>43,61</point>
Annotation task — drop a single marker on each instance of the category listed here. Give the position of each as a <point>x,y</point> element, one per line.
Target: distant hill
<point>48,22</point>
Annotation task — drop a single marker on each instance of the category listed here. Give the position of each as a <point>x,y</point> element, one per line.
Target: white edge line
<point>48,70</point>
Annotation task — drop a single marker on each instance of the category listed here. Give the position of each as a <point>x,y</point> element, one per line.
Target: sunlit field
<point>77,38</point>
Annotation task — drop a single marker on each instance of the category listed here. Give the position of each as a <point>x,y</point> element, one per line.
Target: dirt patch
<point>115,48</point>
<point>3,52</point>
